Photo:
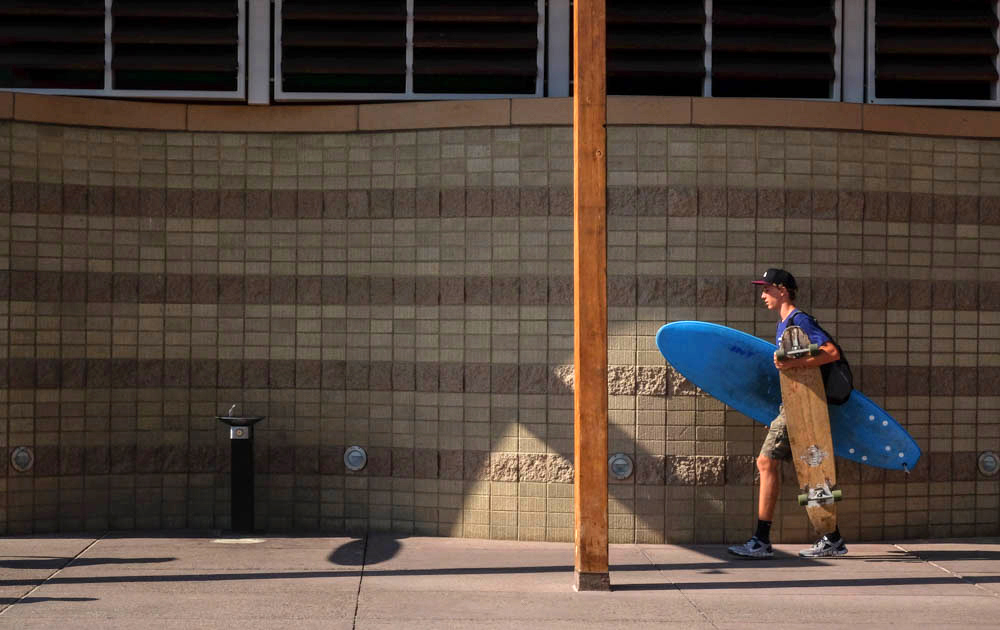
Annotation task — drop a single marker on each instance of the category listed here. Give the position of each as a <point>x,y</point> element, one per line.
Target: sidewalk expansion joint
<point>53,575</point>
<point>957,576</point>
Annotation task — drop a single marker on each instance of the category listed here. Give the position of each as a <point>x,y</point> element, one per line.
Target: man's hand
<point>827,354</point>
<point>787,363</point>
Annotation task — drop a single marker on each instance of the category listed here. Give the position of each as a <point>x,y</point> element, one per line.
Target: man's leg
<point>770,486</point>
<point>775,448</point>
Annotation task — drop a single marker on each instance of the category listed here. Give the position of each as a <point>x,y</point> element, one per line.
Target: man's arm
<point>828,353</point>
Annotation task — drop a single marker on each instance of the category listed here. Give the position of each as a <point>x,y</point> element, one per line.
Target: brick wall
<point>411,292</point>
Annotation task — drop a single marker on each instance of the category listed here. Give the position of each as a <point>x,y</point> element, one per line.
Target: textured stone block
<point>534,201</point>
<point>478,290</point>
<point>506,201</point>
<point>334,374</point>
<point>712,202</point>
<point>649,470</point>
<point>532,378</point>
<point>682,201</point>
<point>380,376</point>
<point>651,381</point>
<point>308,374</point>
<point>358,291</point>
<point>504,466</point>
<point>256,374</point>
<point>621,380</point>
<point>561,379</point>
<point>404,290</point>
<point>711,470</point>
<point>426,377</point>
<point>427,202</point>
<point>478,202</point>
<point>452,377</point>
<point>307,290</point>
<point>504,378</point>
<point>283,290</point>
<point>425,463</point>
<point>561,290</point>
<point>334,204</point>
<point>452,465</point>
<point>477,378</point>
<point>310,204</point>
<point>281,374</point>
<point>680,470</point>
<point>403,377</point>
<point>476,465</point>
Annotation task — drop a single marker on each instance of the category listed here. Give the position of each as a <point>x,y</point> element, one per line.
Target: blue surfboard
<point>738,369</point>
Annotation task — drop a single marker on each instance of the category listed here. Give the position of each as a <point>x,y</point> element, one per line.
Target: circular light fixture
<point>355,458</point>
<point>22,459</point>
<point>620,465</point>
<point>989,463</point>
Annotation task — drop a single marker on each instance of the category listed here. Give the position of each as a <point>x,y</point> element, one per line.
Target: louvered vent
<point>656,47</point>
<point>475,47</point>
<point>52,45</point>
<point>943,50</point>
<point>343,47</point>
<point>774,48</point>
<point>175,45</point>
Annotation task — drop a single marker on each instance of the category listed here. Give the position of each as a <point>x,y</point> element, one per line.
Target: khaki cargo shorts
<point>776,444</point>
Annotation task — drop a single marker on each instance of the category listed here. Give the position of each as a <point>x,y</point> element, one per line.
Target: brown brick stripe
<point>32,197</point>
<point>534,378</point>
<point>526,290</point>
<point>409,463</point>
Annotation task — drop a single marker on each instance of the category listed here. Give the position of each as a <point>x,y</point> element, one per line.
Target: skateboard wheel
<point>838,495</point>
<point>780,354</point>
<point>804,498</point>
<point>813,349</point>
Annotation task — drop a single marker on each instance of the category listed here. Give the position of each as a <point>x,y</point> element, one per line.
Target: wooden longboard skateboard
<point>808,419</point>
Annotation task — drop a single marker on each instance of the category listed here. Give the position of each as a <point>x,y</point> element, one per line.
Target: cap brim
<point>759,282</point>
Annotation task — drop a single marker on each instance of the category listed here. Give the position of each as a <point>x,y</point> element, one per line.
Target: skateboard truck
<point>796,352</point>
<point>819,495</point>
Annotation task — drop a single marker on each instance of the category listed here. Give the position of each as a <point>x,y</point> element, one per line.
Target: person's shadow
<point>366,550</point>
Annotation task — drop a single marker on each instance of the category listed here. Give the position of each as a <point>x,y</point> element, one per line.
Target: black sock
<point>763,533</point>
<point>834,536</point>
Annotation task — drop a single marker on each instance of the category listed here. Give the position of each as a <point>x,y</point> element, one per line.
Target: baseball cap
<point>778,277</point>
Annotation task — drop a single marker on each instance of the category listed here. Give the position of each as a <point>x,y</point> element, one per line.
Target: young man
<point>778,293</point>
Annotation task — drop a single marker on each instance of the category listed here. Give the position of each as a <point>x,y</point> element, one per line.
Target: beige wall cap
<point>6,105</point>
<point>278,118</point>
<point>758,112</point>
<point>434,115</point>
<point>932,121</point>
<point>99,112</point>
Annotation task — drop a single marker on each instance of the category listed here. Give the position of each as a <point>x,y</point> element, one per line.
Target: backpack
<point>837,377</point>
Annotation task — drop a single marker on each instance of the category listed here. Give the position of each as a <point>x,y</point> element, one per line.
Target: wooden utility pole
<point>590,298</point>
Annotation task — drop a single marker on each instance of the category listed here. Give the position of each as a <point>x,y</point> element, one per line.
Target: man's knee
<point>767,464</point>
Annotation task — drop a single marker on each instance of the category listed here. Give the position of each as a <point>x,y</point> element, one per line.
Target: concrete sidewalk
<point>161,581</point>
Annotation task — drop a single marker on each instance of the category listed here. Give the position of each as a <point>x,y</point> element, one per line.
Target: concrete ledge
<point>6,105</point>
<point>99,112</point>
<point>756,112</point>
<point>932,121</point>
<point>622,110</point>
<point>541,111</point>
<point>649,110</point>
<point>434,115</point>
<point>282,118</point>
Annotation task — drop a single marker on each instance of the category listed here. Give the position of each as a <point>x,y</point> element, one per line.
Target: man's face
<point>773,296</point>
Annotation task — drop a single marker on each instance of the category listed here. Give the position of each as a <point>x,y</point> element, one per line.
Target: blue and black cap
<point>778,277</point>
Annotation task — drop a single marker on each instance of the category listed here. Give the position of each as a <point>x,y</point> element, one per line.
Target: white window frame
<point>873,97</point>
<point>280,94</point>
<point>238,94</point>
